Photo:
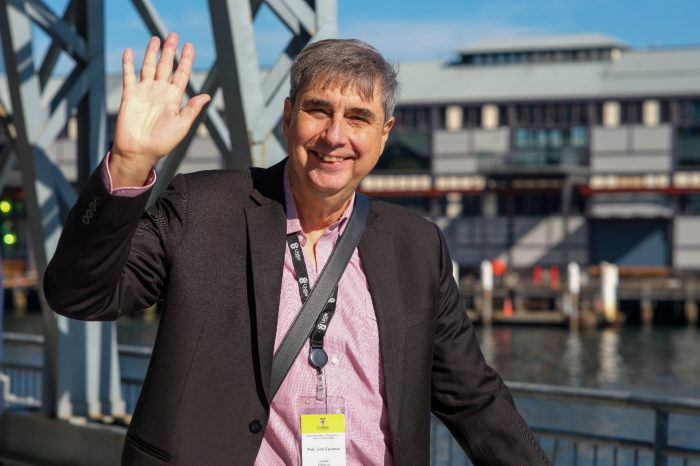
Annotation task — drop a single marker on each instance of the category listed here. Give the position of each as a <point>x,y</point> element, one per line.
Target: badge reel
<point>322,421</point>
<point>321,403</point>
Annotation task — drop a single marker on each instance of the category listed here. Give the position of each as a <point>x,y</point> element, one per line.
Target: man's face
<point>334,138</point>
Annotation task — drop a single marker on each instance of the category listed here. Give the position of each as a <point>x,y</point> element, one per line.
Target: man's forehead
<point>365,90</point>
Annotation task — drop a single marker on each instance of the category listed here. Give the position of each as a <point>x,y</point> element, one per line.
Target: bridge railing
<point>564,445</point>
<point>657,446</point>
<point>573,445</point>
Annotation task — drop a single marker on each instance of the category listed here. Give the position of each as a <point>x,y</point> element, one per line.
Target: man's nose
<point>336,133</point>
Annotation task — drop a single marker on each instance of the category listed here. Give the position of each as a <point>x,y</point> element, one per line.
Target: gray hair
<point>345,63</point>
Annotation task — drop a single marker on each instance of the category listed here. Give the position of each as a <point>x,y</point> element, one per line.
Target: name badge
<point>323,440</point>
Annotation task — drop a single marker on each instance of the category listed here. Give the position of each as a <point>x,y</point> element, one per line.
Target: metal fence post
<point>660,437</point>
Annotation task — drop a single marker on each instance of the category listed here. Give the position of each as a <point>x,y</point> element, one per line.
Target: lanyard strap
<point>327,281</point>
<point>324,319</point>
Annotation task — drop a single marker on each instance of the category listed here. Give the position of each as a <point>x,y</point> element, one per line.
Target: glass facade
<point>688,146</point>
<point>689,204</point>
<point>407,150</point>
<point>551,114</point>
<point>550,146</point>
<point>689,112</point>
<point>413,118</point>
<point>540,56</point>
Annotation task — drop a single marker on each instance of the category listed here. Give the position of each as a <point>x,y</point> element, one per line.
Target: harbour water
<point>661,360</point>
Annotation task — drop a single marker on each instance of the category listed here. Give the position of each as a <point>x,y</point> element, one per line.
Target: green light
<point>9,239</point>
<point>5,206</point>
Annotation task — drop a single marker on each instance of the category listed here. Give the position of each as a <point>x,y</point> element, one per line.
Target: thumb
<point>192,109</point>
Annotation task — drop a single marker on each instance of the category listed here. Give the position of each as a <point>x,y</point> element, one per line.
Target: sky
<point>409,30</point>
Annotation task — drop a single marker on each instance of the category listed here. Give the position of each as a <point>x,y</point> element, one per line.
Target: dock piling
<point>487,290</point>
<point>691,312</point>
<point>573,275</point>
<point>646,307</point>
<point>609,278</point>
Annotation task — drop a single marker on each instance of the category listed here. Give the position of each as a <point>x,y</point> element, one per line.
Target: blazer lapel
<point>379,261</point>
<point>266,227</point>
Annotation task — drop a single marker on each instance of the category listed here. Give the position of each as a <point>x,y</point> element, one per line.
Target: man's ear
<point>287,115</point>
<point>386,129</point>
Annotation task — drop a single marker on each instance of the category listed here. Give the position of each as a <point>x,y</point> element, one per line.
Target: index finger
<point>128,76</point>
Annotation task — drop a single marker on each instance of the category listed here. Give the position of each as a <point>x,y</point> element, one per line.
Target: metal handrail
<point>28,338</point>
<point>609,397</point>
<point>661,406</point>
<point>38,340</point>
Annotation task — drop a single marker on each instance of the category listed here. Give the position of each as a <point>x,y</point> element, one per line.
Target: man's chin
<point>333,192</point>
<point>330,184</point>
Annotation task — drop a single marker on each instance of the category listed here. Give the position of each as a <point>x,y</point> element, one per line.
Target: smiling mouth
<point>328,158</point>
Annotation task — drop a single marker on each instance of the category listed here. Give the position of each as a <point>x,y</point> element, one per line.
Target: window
<point>689,111</point>
<point>538,203</point>
<point>471,117</point>
<point>688,146</point>
<point>665,111</point>
<point>631,113</point>
<point>550,146</point>
<point>689,204</point>
<point>536,56</point>
<point>407,150</point>
<point>471,206</point>
<point>552,114</point>
<point>413,117</point>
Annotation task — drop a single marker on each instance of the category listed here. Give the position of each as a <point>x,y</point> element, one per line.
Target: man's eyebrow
<point>315,102</point>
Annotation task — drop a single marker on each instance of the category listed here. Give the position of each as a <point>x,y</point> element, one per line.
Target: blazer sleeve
<point>112,257</point>
<point>468,396</point>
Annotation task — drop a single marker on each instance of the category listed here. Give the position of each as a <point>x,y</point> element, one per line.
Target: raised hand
<point>151,120</point>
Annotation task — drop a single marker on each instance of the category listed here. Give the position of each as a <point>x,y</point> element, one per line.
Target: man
<point>215,247</point>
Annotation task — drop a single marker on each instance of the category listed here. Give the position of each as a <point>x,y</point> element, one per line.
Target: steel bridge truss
<point>81,365</point>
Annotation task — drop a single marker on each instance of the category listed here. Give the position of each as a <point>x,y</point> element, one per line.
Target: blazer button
<point>255,426</point>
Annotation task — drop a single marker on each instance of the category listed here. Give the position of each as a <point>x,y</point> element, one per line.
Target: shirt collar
<point>293,222</point>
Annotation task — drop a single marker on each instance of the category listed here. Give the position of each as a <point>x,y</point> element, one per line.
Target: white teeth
<point>328,158</point>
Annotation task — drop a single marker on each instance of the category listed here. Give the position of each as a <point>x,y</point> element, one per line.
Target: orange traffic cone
<point>508,307</point>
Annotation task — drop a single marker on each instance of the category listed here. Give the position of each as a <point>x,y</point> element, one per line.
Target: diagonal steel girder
<point>81,365</point>
<point>253,105</point>
<point>253,102</point>
<point>81,372</point>
<point>210,117</point>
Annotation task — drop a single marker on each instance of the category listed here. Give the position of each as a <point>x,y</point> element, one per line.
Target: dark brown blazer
<point>213,249</point>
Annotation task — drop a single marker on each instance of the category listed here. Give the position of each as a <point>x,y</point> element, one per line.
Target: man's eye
<point>358,118</point>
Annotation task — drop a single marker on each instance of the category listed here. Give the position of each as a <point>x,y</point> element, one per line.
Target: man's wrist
<point>127,172</point>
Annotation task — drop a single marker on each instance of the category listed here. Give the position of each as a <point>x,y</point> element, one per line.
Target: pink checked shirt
<point>354,371</point>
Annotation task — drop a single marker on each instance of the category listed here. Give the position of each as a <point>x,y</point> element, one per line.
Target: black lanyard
<point>317,355</point>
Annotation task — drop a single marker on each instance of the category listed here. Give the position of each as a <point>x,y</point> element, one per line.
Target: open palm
<point>151,120</point>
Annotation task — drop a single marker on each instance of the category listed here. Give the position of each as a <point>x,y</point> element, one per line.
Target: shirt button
<point>334,361</point>
<point>255,426</point>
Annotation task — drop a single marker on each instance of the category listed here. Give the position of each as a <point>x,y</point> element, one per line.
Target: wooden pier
<point>643,296</point>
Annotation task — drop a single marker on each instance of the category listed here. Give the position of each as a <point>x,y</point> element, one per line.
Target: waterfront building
<point>541,151</point>
<point>532,151</point>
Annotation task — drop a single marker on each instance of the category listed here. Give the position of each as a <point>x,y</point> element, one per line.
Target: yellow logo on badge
<point>322,423</point>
